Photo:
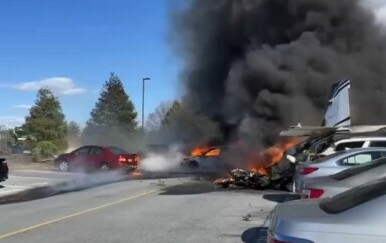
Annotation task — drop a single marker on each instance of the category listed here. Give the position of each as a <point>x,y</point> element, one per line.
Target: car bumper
<point>130,167</point>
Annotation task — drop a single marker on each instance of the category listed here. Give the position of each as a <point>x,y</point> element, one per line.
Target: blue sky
<point>72,46</point>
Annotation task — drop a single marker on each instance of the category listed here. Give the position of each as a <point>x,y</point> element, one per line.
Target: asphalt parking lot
<point>137,210</point>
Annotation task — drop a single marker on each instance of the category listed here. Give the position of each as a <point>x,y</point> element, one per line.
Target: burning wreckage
<point>275,167</point>
<point>268,170</point>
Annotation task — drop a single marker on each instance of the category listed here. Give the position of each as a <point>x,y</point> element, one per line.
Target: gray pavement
<point>167,210</point>
<point>21,180</point>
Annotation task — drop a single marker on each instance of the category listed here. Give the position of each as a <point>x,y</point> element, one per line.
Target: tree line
<point>113,121</point>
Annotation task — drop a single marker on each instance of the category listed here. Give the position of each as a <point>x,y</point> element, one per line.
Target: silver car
<point>357,215</point>
<point>326,186</point>
<point>335,163</point>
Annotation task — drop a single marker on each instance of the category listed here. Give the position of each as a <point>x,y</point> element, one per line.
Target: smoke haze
<point>258,66</point>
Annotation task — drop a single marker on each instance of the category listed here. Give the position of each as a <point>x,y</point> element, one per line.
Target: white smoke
<point>154,162</point>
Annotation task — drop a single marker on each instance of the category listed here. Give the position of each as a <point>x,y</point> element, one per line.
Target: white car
<point>354,142</point>
<point>335,163</point>
<point>327,186</point>
<point>357,215</point>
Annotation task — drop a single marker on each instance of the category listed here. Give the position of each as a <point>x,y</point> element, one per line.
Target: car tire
<point>64,166</point>
<point>105,167</point>
<point>194,164</point>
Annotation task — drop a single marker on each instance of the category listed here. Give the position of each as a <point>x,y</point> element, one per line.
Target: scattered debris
<point>247,217</point>
<point>244,178</point>
<point>255,180</point>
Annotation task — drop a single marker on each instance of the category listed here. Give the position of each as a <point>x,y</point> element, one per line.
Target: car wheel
<point>194,164</point>
<point>64,166</point>
<point>105,167</point>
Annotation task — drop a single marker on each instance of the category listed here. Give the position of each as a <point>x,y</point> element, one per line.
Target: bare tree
<point>156,119</point>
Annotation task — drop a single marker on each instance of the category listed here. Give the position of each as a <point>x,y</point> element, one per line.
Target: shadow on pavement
<point>188,188</point>
<point>255,235</point>
<point>282,197</point>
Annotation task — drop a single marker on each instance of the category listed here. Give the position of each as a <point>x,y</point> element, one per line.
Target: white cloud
<point>11,121</point>
<point>59,85</point>
<point>23,106</point>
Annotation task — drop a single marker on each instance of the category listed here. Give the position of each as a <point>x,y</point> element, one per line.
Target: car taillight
<point>312,193</point>
<point>308,170</point>
<point>121,159</point>
<point>136,159</point>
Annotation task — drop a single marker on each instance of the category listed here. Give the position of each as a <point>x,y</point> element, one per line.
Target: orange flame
<point>205,151</point>
<point>260,162</point>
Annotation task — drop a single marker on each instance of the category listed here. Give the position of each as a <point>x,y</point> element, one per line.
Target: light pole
<point>143,103</point>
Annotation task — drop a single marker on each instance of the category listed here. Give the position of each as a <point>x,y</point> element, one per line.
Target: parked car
<point>326,186</point>
<point>335,163</point>
<point>3,169</point>
<point>92,158</point>
<point>354,142</point>
<point>357,215</point>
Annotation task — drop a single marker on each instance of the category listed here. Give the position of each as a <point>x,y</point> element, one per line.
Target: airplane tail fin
<point>338,110</point>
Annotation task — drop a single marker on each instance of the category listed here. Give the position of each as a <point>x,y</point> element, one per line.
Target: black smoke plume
<point>257,66</point>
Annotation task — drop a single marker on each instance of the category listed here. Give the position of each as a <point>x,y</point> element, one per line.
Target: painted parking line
<point>15,186</point>
<point>34,178</point>
<point>44,171</point>
<point>73,215</point>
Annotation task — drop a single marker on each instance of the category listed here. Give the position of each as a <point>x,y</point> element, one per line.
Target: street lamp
<point>143,102</point>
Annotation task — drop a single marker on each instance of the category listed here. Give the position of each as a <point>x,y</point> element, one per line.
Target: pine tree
<point>113,116</point>
<point>46,121</point>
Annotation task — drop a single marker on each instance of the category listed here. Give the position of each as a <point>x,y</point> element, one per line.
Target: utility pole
<point>143,103</point>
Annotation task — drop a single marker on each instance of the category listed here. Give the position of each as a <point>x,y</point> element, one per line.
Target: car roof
<point>344,153</point>
<point>359,139</point>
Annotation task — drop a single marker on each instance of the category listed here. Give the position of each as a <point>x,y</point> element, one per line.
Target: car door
<point>95,157</point>
<point>79,157</point>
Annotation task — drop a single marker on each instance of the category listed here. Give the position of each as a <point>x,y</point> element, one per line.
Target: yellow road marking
<point>36,226</point>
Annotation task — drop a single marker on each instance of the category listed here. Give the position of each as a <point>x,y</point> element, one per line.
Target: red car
<point>93,158</point>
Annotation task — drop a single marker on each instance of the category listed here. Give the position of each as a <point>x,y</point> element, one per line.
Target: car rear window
<point>360,158</point>
<point>354,197</point>
<point>355,170</point>
<point>117,150</point>
<point>349,145</point>
<point>381,144</point>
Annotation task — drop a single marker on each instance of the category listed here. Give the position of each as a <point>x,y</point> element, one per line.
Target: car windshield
<point>117,150</point>
<point>328,157</point>
<point>354,197</point>
<point>355,170</point>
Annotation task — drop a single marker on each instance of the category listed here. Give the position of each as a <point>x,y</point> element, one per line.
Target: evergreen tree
<point>113,116</point>
<point>46,121</point>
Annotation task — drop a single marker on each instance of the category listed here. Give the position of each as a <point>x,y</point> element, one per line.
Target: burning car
<point>205,158</point>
